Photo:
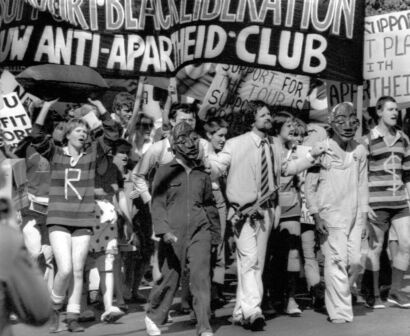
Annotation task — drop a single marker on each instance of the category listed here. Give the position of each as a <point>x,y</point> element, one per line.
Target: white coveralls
<point>340,199</point>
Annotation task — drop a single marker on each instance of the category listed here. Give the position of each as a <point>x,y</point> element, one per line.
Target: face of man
<point>124,113</point>
<point>145,126</point>
<point>182,115</point>
<point>185,142</point>
<point>345,124</point>
<point>388,114</point>
<point>263,120</point>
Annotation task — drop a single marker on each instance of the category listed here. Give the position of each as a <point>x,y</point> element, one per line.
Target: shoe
<point>257,322</point>
<point>268,308</point>
<point>207,333</point>
<point>292,308</point>
<point>399,299</point>
<point>318,294</point>
<point>151,327</point>
<point>374,302</point>
<point>338,321</point>
<point>86,316</point>
<point>74,326</point>
<point>55,325</point>
<point>112,315</point>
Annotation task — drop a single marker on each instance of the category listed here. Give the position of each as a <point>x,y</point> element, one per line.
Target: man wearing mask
<point>186,220</point>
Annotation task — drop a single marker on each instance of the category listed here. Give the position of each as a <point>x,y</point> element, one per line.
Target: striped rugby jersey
<point>389,170</point>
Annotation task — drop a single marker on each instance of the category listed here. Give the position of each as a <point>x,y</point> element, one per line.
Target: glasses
<point>341,121</point>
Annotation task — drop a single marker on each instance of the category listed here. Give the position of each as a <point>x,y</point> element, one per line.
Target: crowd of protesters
<point>170,200</point>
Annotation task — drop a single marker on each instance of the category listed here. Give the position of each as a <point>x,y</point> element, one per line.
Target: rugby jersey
<point>72,188</point>
<point>389,170</point>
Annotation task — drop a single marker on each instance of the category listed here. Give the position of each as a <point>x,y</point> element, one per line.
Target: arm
<point>141,171</point>
<point>363,184</point>
<point>41,142</point>
<point>220,162</point>
<point>137,103</point>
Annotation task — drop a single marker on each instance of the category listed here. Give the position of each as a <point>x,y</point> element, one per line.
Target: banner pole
<point>360,109</point>
<point>137,104</point>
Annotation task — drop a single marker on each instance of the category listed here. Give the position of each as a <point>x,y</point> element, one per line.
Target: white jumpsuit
<point>340,199</point>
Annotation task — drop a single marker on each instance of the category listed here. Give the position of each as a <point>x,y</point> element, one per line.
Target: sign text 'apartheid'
<point>158,37</point>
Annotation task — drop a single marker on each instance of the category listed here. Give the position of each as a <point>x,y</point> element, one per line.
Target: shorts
<point>75,231</point>
<point>384,217</point>
<point>103,261</point>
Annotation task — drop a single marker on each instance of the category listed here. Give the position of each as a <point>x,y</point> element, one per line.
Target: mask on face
<point>185,142</point>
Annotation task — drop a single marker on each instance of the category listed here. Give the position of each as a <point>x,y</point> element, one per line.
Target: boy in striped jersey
<point>389,177</point>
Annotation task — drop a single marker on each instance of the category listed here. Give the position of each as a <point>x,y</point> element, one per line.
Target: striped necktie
<point>264,170</point>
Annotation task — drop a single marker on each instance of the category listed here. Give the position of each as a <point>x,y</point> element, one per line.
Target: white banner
<point>14,121</point>
<point>387,56</point>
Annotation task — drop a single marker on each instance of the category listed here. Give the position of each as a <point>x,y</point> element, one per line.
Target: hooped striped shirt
<point>389,170</point>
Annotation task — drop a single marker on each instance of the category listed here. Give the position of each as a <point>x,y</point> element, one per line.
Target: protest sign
<point>386,56</point>
<point>14,121</point>
<point>8,84</point>
<point>339,92</point>
<point>233,87</point>
<point>157,37</point>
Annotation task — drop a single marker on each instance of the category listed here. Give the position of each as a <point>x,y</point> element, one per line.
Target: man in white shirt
<point>254,164</point>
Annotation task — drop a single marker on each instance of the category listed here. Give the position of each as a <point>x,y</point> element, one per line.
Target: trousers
<point>197,252</point>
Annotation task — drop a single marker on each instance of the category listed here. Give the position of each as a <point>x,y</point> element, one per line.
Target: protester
<point>186,236</point>
<point>337,198</point>
<point>254,165</point>
<point>389,180</point>
<point>288,244</point>
<point>71,215</point>
<point>216,132</point>
<point>22,289</point>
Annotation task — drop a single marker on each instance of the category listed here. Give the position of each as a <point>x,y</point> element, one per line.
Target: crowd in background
<point>172,202</point>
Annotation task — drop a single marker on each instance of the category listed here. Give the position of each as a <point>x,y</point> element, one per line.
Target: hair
<point>300,127</point>
<point>74,123</point>
<point>186,108</point>
<point>252,107</point>
<point>121,99</point>
<point>279,120</point>
<point>383,100</point>
<point>214,125</point>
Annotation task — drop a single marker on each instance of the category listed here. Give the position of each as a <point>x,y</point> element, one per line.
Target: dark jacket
<point>22,288</point>
<point>183,203</point>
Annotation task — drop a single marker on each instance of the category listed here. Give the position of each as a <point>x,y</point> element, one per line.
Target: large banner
<point>158,37</point>
<point>387,55</point>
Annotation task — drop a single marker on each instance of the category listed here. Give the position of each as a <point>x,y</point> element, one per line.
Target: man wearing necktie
<point>253,164</point>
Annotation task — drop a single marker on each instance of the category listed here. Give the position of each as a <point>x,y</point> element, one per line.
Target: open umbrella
<point>72,83</point>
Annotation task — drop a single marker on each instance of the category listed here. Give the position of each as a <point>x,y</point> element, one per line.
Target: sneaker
<point>399,299</point>
<point>257,322</point>
<point>151,327</point>
<point>74,326</point>
<point>338,321</point>
<point>374,302</point>
<point>292,308</point>
<point>207,333</point>
<point>112,315</point>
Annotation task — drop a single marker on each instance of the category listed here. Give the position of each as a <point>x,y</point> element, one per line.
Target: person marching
<point>254,164</point>
<point>337,198</point>
<point>389,179</point>
<point>184,216</point>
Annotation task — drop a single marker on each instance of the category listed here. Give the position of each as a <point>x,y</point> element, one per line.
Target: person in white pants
<point>337,197</point>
